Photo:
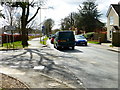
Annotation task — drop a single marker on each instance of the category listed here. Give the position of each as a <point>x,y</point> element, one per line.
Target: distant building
<point>113,19</point>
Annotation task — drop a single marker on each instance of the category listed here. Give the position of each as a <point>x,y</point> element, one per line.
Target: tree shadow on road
<point>29,58</point>
<point>68,50</point>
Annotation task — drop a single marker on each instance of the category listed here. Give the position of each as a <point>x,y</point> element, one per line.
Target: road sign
<point>9,28</point>
<point>43,27</point>
<point>43,30</point>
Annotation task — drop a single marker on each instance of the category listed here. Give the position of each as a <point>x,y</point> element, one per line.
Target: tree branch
<point>33,15</point>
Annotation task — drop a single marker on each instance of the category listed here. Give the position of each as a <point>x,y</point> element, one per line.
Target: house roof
<point>116,7</point>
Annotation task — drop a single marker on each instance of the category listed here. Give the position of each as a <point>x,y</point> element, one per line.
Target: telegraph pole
<point>39,5</point>
<point>71,21</point>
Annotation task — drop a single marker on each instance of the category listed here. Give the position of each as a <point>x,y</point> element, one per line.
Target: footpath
<point>106,46</point>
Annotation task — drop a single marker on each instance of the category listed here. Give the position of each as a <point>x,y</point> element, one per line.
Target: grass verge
<point>94,42</point>
<point>14,45</point>
<point>43,41</point>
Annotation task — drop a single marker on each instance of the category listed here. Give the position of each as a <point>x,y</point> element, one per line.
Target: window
<point>110,33</point>
<point>111,20</point>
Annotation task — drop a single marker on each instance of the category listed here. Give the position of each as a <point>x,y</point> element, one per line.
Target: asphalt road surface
<point>91,67</point>
<point>95,67</point>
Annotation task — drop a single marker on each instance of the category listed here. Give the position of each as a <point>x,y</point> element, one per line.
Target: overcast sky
<point>62,8</point>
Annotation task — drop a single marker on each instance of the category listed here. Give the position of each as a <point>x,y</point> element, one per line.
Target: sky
<point>62,8</point>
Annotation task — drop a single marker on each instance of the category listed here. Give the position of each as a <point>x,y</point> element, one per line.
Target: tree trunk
<point>24,38</point>
<point>24,31</point>
<point>24,22</point>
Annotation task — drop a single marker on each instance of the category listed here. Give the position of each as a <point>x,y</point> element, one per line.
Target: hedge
<point>6,38</point>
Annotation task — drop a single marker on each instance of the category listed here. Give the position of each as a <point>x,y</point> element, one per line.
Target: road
<point>95,67</point>
<point>86,66</point>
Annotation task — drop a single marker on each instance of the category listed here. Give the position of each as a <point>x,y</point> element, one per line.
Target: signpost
<point>43,32</point>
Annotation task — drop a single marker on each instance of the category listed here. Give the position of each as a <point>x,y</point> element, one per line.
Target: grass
<point>15,45</point>
<point>2,89</point>
<point>43,41</point>
<point>18,44</point>
<point>94,42</point>
<point>31,37</point>
<point>111,46</point>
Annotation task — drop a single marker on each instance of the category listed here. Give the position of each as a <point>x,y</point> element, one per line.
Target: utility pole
<point>39,5</point>
<point>71,21</point>
<point>40,24</point>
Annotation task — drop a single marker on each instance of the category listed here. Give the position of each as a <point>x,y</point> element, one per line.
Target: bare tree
<point>25,6</point>
<point>9,14</point>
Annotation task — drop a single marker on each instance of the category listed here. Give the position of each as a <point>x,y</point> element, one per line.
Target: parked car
<point>52,39</point>
<point>64,39</point>
<point>80,40</point>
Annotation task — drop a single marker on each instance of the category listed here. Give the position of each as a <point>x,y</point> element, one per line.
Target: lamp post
<point>39,4</point>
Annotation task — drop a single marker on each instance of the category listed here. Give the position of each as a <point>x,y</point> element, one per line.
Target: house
<point>113,19</point>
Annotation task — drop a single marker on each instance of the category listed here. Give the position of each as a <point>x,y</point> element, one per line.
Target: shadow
<point>8,49</point>
<point>82,46</point>
<point>27,59</point>
<point>59,56</point>
<point>49,63</point>
<point>68,50</point>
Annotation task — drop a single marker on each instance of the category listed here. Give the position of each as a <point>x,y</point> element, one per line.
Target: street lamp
<point>39,4</point>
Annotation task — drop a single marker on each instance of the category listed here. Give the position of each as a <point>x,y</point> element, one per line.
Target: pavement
<point>116,49</point>
<point>106,46</point>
